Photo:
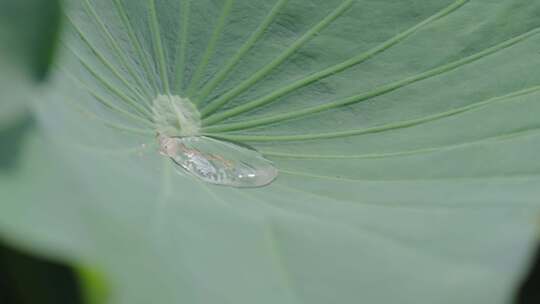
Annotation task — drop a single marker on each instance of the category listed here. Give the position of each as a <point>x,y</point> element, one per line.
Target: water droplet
<point>218,162</point>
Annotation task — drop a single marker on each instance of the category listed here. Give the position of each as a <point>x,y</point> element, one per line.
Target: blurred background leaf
<point>26,279</point>
<point>28,37</point>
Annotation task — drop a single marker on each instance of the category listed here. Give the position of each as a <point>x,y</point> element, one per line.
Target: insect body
<point>218,162</point>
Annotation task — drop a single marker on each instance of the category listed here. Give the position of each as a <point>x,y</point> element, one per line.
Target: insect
<point>218,162</point>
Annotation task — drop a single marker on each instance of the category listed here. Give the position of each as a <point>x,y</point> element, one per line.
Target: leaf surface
<point>405,134</point>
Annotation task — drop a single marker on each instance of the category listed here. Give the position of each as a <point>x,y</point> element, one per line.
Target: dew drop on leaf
<point>218,162</point>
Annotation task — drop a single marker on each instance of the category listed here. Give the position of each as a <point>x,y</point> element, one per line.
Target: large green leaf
<point>28,32</point>
<point>405,132</point>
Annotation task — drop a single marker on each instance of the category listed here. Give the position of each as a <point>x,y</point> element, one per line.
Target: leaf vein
<point>330,71</point>
<point>385,89</point>
<point>246,84</point>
